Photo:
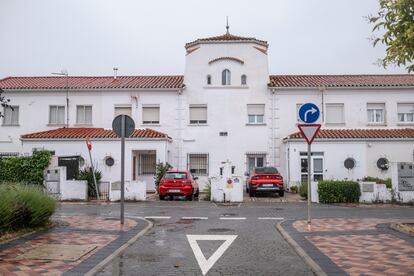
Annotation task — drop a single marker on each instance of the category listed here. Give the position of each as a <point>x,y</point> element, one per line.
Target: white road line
<point>233,218</point>
<point>194,217</point>
<point>157,217</point>
<point>270,218</point>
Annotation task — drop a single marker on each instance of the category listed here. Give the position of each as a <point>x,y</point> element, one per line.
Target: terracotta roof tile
<point>97,133</point>
<point>399,133</point>
<point>226,37</point>
<point>391,80</point>
<point>122,82</point>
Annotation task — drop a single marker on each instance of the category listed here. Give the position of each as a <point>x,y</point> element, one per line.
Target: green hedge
<point>377,180</point>
<point>337,191</point>
<point>27,169</point>
<point>24,206</point>
<point>303,190</point>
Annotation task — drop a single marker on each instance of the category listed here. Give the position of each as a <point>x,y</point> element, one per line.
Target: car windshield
<point>175,175</point>
<point>266,170</point>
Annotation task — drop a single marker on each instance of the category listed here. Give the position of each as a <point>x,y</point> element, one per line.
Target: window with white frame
<point>150,114</point>
<point>84,114</point>
<point>197,163</point>
<point>56,114</point>
<point>198,114</point>
<point>243,80</point>
<point>255,113</point>
<point>376,113</point>
<point>405,112</point>
<point>298,105</point>
<point>335,113</point>
<point>226,77</point>
<point>123,110</point>
<point>255,160</point>
<point>11,116</point>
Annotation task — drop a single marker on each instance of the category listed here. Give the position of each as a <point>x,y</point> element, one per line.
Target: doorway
<point>317,166</point>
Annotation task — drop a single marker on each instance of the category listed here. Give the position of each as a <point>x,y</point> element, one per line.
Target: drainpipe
<point>322,90</point>
<point>273,150</point>
<point>179,134</point>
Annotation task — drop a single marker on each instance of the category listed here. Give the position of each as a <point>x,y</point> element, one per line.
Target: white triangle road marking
<point>205,264</point>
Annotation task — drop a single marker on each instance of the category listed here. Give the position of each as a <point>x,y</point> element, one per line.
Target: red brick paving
<point>361,253</point>
<point>13,263</point>
<point>381,254</point>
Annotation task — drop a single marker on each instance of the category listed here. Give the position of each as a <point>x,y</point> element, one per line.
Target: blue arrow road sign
<point>309,113</point>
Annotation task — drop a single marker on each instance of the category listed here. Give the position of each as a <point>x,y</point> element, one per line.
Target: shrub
<point>207,190</point>
<point>24,206</point>
<point>337,191</point>
<point>28,169</point>
<point>160,170</point>
<point>294,189</point>
<point>303,190</point>
<point>86,174</point>
<point>377,180</point>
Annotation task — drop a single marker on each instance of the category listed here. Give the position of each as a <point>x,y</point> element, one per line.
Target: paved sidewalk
<point>74,247</point>
<point>342,246</point>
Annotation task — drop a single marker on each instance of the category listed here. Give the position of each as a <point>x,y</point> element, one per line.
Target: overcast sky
<point>90,37</point>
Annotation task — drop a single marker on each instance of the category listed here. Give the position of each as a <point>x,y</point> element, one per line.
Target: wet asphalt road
<point>258,248</point>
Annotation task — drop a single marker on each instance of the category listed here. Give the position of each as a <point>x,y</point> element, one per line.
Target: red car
<point>265,179</point>
<point>179,183</point>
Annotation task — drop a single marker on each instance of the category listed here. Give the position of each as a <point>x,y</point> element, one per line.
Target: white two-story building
<point>226,107</point>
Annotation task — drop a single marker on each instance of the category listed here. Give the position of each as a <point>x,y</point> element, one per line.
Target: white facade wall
<point>102,149</point>
<point>365,153</point>
<point>227,112</point>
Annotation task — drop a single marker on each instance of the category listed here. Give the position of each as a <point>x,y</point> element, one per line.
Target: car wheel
<point>251,194</point>
<point>190,197</point>
<point>162,197</point>
<point>247,189</point>
<point>281,193</point>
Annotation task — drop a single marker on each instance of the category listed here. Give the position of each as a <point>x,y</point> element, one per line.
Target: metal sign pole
<point>122,167</point>
<point>309,186</point>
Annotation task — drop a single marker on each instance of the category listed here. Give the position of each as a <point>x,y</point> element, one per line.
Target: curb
<point>108,259</point>
<point>316,269</point>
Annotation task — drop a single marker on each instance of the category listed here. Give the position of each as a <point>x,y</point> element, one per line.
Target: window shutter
<point>255,109</point>
<point>151,114</point>
<point>376,106</point>
<point>198,113</point>
<point>405,108</point>
<point>123,110</point>
<point>335,113</point>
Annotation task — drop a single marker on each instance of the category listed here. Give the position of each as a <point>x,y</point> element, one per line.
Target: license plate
<point>174,191</point>
<point>267,185</point>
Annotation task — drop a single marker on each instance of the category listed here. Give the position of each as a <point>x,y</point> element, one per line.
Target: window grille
<point>147,164</point>
<point>197,163</point>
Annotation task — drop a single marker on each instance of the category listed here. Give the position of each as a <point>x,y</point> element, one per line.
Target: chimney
<point>115,72</point>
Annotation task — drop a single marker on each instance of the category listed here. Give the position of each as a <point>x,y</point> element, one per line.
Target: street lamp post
<point>66,74</point>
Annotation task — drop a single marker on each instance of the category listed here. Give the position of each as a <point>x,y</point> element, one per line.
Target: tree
<point>3,101</point>
<point>396,20</point>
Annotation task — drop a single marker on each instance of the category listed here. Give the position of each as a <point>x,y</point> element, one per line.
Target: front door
<point>316,166</point>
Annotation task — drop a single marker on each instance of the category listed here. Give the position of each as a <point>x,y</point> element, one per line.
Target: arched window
<point>243,80</point>
<point>208,79</point>
<point>225,77</point>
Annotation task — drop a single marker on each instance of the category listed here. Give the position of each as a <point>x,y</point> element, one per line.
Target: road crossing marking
<point>157,217</point>
<point>196,218</point>
<point>233,218</point>
<point>206,264</point>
